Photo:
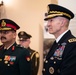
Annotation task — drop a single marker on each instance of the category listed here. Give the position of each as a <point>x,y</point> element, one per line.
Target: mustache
<point>2,37</point>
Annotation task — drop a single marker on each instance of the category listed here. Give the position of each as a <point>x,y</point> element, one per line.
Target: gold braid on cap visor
<point>58,13</point>
<point>5,28</point>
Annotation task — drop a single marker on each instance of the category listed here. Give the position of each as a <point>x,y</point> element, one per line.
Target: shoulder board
<point>36,53</point>
<point>72,40</point>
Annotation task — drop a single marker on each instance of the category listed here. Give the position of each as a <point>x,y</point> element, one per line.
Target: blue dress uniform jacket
<point>61,59</point>
<point>14,61</point>
<point>34,60</point>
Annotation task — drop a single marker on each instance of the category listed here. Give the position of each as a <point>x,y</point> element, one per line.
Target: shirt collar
<point>8,47</point>
<point>57,40</point>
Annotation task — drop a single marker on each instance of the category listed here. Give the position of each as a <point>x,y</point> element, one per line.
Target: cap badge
<point>22,33</point>
<point>21,39</point>
<point>3,24</point>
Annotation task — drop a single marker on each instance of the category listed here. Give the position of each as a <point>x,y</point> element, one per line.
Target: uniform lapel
<point>65,37</point>
<point>11,49</point>
<point>52,50</point>
<point>56,45</point>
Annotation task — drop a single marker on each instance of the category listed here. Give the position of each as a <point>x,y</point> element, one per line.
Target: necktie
<point>54,44</point>
<point>52,49</point>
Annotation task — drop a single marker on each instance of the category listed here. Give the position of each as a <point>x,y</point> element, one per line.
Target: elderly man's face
<point>54,25</point>
<point>24,43</point>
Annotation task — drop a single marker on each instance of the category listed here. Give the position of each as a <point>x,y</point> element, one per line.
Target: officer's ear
<point>14,34</point>
<point>65,22</point>
<point>62,21</point>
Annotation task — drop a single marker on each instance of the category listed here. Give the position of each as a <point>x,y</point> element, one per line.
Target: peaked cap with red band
<point>7,24</point>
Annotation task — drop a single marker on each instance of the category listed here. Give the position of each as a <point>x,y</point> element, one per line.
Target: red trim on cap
<point>11,26</point>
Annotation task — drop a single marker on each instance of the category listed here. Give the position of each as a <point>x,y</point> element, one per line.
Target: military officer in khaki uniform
<point>14,60</point>
<point>61,59</point>
<point>24,40</point>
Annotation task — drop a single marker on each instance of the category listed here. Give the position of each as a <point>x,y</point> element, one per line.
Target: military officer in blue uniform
<point>61,59</point>
<point>14,60</point>
<point>24,40</point>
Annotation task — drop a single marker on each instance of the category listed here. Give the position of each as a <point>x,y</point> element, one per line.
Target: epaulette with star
<point>72,40</point>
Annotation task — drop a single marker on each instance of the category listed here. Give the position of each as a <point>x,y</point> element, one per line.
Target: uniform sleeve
<point>35,63</point>
<point>69,63</point>
<point>25,64</point>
